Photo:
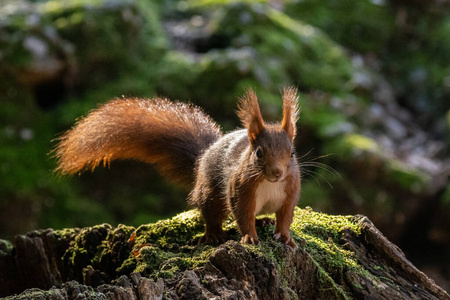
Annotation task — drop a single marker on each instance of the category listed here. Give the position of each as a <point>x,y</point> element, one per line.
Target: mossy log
<point>339,257</point>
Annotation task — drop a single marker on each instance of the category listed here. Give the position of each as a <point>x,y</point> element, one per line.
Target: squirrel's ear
<point>290,111</point>
<point>250,115</point>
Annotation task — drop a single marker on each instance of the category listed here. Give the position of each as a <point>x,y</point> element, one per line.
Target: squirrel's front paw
<point>285,239</point>
<point>248,239</point>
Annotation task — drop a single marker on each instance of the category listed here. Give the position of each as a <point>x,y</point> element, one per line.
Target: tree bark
<point>43,265</point>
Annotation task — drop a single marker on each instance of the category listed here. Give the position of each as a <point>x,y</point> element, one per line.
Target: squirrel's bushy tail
<point>170,135</point>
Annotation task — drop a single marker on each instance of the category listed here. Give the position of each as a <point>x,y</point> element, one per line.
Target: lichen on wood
<point>339,257</point>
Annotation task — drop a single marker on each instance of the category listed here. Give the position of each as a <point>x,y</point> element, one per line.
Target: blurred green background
<point>374,82</point>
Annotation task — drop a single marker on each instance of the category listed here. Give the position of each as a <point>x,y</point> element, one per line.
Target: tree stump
<point>339,257</point>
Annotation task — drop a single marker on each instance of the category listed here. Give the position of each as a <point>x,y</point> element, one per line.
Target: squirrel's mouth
<point>273,179</point>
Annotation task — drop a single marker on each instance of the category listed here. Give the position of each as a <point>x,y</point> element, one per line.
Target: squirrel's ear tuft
<point>250,115</point>
<point>290,111</point>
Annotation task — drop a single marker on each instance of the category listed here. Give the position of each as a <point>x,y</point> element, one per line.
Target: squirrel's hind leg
<point>214,213</point>
<point>213,236</point>
<point>208,199</point>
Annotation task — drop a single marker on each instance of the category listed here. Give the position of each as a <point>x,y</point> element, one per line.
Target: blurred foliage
<point>363,26</point>
<point>60,59</point>
<point>413,39</point>
<point>90,45</point>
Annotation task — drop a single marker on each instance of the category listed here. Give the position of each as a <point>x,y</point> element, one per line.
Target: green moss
<point>322,234</point>
<point>5,247</point>
<point>164,249</point>
<point>319,235</point>
<point>66,232</point>
<point>168,247</point>
<point>35,293</point>
<point>171,232</point>
<point>329,284</point>
<point>102,247</point>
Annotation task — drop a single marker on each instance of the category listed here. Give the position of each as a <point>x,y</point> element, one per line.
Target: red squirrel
<point>245,172</point>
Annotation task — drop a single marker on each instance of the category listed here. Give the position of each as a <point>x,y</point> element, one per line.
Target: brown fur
<point>250,115</point>
<point>170,135</point>
<point>286,213</point>
<point>243,206</point>
<point>290,111</point>
<point>238,173</point>
<point>230,171</point>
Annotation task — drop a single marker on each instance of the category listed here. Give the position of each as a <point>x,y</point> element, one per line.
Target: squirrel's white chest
<point>269,197</point>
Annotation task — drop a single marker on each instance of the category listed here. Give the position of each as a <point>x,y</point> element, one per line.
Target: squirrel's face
<point>273,154</point>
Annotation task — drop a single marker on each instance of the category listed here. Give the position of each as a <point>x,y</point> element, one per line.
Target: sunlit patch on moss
<point>166,248</point>
<point>5,247</point>
<point>322,234</point>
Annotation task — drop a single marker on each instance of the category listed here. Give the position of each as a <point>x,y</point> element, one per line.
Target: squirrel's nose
<point>277,172</point>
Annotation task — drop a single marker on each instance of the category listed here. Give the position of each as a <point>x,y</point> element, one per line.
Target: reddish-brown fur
<point>234,173</point>
<point>170,135</point>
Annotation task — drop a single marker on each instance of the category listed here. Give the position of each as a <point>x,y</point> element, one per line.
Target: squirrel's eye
<point>292,153</point>
<point>258,153</point>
